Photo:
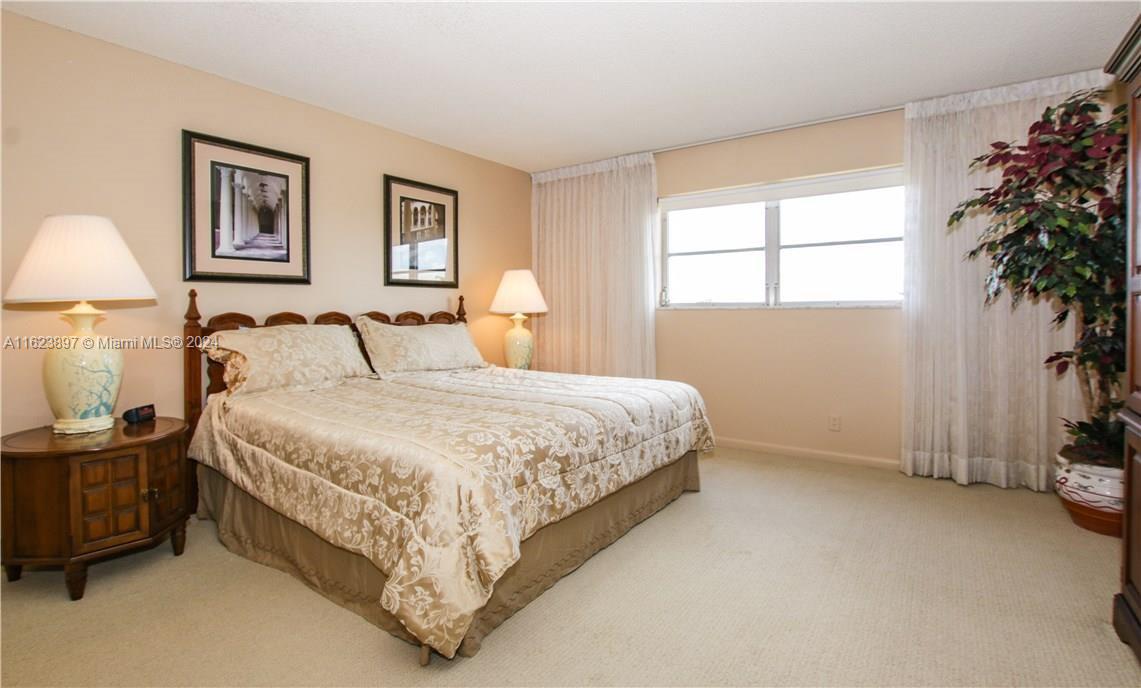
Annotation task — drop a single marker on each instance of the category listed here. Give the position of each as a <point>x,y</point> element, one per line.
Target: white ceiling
<point>542,85</point>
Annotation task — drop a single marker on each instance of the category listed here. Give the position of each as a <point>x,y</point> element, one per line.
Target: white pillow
<point>287,356</point>
<point>401,348</point>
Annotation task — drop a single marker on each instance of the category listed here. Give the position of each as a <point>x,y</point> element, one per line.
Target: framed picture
<point>421,231</point>
<point>245,212</point>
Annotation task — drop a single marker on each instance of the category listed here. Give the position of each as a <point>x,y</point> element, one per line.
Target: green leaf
<point>1047,239</point>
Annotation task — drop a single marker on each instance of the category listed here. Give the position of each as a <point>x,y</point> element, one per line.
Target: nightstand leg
<point>13,571</point>
<point>75,575</point>
<point>178,539</point>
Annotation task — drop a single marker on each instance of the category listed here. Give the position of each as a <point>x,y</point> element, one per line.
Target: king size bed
<point>400,476</point>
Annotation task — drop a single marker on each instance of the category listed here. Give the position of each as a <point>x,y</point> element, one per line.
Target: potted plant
<point>1057,232</point>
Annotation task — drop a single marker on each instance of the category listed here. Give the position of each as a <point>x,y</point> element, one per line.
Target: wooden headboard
<point>195,333</point>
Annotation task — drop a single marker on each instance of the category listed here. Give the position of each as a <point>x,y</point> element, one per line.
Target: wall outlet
<point>834,423</point>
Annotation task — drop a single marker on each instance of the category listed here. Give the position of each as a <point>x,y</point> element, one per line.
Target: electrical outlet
<point>834,423</point>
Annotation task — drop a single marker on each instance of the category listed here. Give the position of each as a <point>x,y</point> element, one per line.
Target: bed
<point>435,503</point>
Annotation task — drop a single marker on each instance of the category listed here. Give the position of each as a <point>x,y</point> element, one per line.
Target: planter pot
<point>1094,495</point>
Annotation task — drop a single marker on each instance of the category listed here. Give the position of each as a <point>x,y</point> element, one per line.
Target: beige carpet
<point>780,572</point>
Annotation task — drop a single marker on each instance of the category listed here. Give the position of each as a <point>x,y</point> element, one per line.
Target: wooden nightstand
<point>70,500</point>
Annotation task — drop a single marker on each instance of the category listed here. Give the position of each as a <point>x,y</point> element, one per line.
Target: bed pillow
<point>287,356</point>
<point>396,348</point>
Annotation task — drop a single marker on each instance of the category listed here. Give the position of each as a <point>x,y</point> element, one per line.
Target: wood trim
<point>1128,527</point>
<point>1133,220</point>
<point>192,363</point>
<point>333,318</point>
<point>1126,624</point>
<point>7,510</point>
<point>42,443</point>
<point>1125,64</point>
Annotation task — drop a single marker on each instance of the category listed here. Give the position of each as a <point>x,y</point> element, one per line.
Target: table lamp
<point>76,259</point>
<point>518,293</point>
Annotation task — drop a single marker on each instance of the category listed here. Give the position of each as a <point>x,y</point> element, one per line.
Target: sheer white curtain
<point>979,406</point>
<point>592,239</point>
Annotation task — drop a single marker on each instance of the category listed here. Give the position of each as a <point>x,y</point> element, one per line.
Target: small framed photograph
<point>245,212</point>
<point>421,231</point>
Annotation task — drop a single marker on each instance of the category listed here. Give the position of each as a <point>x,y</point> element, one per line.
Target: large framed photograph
<point>421,231</point>
<point>245,212</point>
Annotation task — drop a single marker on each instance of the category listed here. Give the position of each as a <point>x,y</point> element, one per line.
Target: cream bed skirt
<point>253,530</point>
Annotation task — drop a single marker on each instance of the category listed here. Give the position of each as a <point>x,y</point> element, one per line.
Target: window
<point>717,254</point>
<point>831,241</point>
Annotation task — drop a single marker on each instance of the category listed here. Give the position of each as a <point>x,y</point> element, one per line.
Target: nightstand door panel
<point>166,478</point>
<point>108,500</point>
<point>35,520</point>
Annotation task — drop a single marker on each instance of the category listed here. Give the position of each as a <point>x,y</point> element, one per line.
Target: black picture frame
<point>245,268</point>
<point>390,181</point>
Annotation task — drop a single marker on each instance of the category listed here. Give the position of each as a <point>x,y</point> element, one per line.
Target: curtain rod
<point>1091,74</point>
<point>773,130</point>
<point>731,137</point>
<point>786,127</point>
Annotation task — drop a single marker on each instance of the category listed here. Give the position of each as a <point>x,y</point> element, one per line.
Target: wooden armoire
<point>1125,64</point>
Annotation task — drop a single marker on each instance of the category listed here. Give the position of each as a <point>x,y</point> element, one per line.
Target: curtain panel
<point>979,405</point>
<point>592,240</point>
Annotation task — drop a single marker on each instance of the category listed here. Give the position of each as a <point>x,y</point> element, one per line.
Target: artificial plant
<point>1057,232</point>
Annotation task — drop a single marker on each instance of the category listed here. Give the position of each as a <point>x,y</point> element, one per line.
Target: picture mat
<point>203,154</point>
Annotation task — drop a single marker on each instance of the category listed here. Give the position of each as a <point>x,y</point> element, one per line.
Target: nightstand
<point>70,500</point>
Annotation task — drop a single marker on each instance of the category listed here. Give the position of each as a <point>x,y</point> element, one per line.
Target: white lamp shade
<point>518,293</point>
<point>78,258</point>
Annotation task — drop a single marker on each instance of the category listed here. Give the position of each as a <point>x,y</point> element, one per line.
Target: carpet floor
<point>780,572</point>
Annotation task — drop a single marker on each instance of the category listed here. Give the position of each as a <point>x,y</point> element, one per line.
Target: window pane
<point>718,278</point>
<point>870,214</point>
<point>852,272</point>
<point>717,228</point>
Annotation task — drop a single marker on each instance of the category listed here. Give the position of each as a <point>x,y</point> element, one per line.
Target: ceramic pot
<point>519,344</point>
<point>82,375</point>
<point>1094,495</point>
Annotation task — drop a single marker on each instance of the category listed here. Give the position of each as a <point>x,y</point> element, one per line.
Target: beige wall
<point>89,127</point>
<point>94,128</point>
<point>771,378</point>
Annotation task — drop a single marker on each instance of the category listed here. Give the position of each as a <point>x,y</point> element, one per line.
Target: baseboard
<point>802,452</point>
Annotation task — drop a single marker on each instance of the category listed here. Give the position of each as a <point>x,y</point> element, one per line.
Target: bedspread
<point>437,477</point>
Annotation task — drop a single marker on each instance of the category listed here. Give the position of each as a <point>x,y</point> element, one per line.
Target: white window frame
<point>771,195</point>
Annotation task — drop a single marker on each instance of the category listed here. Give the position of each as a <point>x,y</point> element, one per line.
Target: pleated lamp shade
<point>518,293</point>
<point>78,258</point>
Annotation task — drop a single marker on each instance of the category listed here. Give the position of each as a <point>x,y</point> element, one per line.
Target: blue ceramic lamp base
<point>82,377</point>
<point>519,344</point>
